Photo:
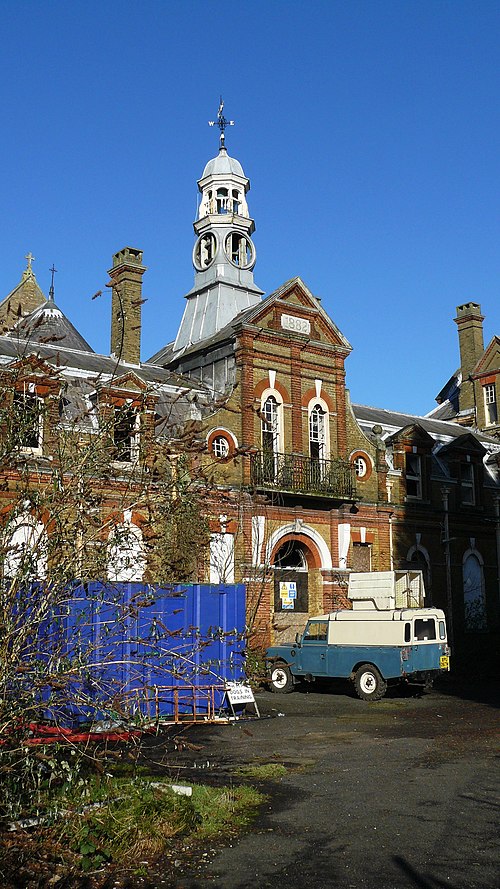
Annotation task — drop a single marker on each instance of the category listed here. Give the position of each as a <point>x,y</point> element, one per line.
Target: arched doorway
<point>290,565</point>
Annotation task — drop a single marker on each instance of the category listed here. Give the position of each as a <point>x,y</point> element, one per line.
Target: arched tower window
<point>222,200</point>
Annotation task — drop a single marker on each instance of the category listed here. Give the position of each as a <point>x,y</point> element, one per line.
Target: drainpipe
<point>446,543</point>
<point>391,533</point>
<point>496,507</point>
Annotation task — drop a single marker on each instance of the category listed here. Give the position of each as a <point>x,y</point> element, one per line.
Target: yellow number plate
<point>444,662</point>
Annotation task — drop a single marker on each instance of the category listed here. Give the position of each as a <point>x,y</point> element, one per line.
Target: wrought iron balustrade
<point>297,473</point>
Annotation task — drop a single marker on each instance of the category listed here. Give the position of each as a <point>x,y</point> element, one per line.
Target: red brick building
<point>305,486</point>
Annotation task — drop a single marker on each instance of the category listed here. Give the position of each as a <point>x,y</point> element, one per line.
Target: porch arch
<point>321,556</point>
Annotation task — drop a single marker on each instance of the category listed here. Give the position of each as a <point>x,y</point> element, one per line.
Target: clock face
<point>204,251</point>
<point>240,250</point>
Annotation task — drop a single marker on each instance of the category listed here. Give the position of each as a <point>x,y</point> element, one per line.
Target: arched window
<point>317,433</point>
<point>474,600</point>
<point>26,550</point>
<point>418,558</point>
<point>126,560</point>
<point>222,200</point>
<point>270,437</point>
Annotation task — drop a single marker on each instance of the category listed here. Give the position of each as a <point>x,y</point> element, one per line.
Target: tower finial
<point>51,291</point>
<point>222,123</point>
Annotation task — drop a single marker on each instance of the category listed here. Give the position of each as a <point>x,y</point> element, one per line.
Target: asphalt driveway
<point>400,793</point>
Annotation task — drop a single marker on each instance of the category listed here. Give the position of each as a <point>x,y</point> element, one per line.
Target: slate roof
<point>48,324</point>
<point>440,430</point>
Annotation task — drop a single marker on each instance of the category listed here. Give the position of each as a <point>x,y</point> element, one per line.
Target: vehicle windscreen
<point>316,631</point>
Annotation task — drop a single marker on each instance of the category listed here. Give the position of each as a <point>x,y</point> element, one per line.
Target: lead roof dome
<point>223,164</point>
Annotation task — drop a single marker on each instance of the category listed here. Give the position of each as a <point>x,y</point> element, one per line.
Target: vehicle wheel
<point>369,684</point>
<point>280,679</point>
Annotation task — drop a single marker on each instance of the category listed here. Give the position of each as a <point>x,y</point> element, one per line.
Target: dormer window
<point>490,404</point>
<point>28,420</point>
<point>413,476</point>
<point>126,434</point>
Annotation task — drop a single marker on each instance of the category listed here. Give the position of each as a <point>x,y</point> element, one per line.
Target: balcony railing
<point>296,473</point>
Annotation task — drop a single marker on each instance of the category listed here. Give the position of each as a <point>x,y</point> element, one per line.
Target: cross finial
<point>29,256</point>
<point>221,122</point>
<point>51,291</point>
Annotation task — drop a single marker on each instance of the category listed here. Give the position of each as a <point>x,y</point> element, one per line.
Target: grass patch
<point>108,819</point>
<point>265,771</point>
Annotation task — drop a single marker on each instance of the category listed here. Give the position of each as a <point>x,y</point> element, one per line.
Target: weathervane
<point>221,122</point>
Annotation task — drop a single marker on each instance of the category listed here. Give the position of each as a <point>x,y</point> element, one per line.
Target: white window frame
<point>28,394</point>
<point>221,558</point>
<point>359,463</point>
<point>278,420</point>
<point>490,404</point>
<point>22,535</point>
<point>126,561</point>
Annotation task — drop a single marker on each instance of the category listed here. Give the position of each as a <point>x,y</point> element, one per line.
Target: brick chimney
<point>470,337</point>
<point>126,282</point>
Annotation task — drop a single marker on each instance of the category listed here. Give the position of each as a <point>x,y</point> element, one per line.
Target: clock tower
<point>224,253</point>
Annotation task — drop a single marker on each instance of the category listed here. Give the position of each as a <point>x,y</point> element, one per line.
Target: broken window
<point>413,476</point>
<point>126,434</point>
<point>28,420</point>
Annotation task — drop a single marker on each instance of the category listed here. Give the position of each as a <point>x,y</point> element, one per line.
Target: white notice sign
<point>238,693</point>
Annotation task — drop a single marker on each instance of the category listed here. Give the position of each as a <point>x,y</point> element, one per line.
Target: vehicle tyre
<point>280,679</point>
<point>369,684</point>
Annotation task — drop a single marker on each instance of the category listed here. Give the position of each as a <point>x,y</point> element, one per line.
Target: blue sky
<point>370,132</point>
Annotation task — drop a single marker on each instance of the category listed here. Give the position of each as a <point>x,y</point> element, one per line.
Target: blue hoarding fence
<point>141,651</point>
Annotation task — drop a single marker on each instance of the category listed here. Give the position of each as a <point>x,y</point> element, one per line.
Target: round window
<point>220,447</point>
<point>240,250</point>
<point>360,467</point>
<point>204,251</point>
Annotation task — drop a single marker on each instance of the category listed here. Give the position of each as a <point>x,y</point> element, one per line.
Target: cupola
<point>224,254</point>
